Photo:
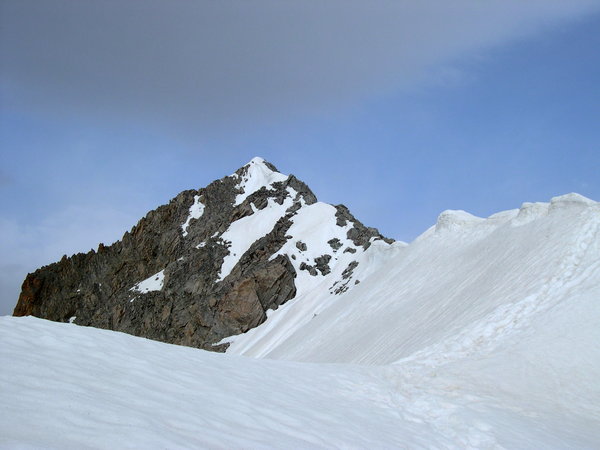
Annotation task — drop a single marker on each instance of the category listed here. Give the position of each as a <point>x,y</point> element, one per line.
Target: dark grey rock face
<point>192,306</point>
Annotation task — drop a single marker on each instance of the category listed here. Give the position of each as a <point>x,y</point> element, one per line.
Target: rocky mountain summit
<point>210,264</point>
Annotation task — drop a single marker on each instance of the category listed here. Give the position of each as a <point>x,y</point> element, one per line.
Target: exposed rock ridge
<point>212,262</point>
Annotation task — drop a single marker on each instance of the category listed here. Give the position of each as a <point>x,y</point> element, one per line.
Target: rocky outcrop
<point>196,270</point>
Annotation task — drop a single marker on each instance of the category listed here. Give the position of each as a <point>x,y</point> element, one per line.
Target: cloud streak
<point>216,64</point>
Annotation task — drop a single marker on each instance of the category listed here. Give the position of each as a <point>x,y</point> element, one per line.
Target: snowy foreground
<point>483,333</point>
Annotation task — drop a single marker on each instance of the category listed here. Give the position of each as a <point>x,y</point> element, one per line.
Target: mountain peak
<point>261,161</point>
<point>210,263</point>
<point>255,175</point>
<point>255,162</point>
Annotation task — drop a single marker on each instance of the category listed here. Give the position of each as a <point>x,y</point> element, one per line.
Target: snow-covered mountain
<point>211,264</point>
<point>482,333</point>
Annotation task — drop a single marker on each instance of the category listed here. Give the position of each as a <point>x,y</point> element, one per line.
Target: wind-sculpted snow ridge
<point>466,284</point>
<point>211,264</point>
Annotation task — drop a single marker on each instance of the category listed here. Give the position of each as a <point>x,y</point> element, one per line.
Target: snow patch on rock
<point>196,211</point>
<point>153,283</point>
<point>242,233</point>
<point>313,227</point>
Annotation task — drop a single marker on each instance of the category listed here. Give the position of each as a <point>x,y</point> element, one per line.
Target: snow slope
<point>482,333</point>
<point>69,387</point>
<point>508,306</point>
<point>464,286</point>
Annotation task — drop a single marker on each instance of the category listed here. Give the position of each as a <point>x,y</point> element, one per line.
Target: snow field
<point>68,387</point>
<point>481,334</point>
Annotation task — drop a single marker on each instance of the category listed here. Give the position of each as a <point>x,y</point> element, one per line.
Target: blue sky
<point>397,113</point>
